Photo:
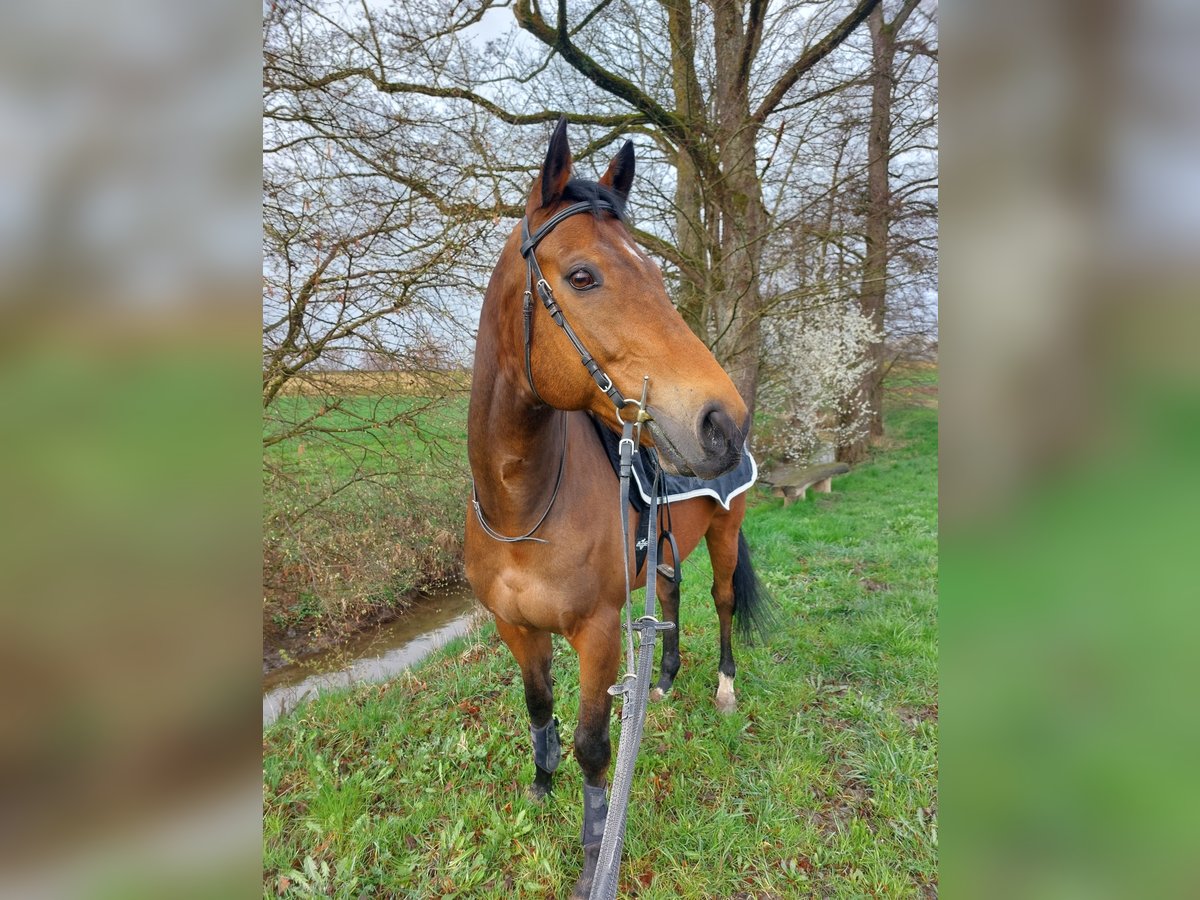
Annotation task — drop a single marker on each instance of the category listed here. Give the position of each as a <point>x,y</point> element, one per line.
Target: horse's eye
<point>581,279</point>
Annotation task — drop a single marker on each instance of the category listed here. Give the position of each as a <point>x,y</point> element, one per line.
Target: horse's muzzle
<point>710,446</point>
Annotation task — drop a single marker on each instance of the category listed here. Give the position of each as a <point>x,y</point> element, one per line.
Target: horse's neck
<point>514,443</point>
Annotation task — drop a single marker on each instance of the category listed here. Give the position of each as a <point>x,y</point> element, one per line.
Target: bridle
<point>534,278</point>
<point>634,685</point>
<point>535,281</point>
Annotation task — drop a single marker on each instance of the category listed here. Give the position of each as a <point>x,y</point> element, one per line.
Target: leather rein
<point>535,283</point>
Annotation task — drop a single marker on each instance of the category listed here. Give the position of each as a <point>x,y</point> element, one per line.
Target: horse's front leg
<point>668,595</point>
<point>533,651</point>
<point>599,647</point>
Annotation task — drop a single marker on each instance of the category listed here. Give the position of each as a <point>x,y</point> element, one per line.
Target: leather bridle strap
<point>527,536</point>
<point>634,686</point>
<point>603,381</point>
<point>535,281</point>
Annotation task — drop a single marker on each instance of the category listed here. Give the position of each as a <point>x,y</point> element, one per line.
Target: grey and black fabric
<point>672,488</point>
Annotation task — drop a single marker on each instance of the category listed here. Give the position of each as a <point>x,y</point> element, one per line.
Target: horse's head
<point>614,299</point>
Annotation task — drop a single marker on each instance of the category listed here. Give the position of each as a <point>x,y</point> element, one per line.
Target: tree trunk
<point>737,303</point>
<point>872,296</point>
<point>691,234</point>
<point>720,211</point>
<point>735,299</point>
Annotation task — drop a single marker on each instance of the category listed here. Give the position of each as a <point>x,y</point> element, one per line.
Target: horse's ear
<point>619,175</point>
<point>556,171</point>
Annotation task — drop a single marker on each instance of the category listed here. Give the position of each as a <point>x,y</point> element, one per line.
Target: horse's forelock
<point>580,191</point>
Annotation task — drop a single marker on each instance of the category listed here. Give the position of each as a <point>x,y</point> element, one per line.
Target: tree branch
<point>812,56</point>
<point>754,27</point>
<point>558,38</point>
<point>427,90</point>
<point>901,17</point>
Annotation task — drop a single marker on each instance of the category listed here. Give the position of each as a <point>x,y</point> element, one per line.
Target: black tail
<point>753,608</point>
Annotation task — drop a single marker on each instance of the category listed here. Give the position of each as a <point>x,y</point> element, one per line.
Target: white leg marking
<point>726,701</point>
<point>656,694</point>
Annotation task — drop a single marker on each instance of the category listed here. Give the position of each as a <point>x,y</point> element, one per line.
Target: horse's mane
<point>579,190</point>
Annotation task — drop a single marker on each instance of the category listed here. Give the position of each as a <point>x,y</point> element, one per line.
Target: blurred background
<point>131,248</point>
<point>1071,420</point>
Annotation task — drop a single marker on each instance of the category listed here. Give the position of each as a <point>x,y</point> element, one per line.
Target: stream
<point>375,654</point>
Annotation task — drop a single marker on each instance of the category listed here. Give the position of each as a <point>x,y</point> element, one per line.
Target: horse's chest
<point>553,598</point>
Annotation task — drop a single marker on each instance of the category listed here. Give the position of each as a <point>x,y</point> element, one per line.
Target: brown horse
<point>544,549</point>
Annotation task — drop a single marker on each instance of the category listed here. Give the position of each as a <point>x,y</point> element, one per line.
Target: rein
<point>633,687</point>
<point>527,536</point>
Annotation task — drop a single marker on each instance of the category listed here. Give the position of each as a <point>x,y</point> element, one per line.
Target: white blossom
<point>809,400</point>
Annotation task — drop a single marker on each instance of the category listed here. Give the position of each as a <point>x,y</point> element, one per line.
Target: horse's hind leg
<point>599,647</point>
<point>668,594</point>
<point>533,651</point>
<point>722,543</point>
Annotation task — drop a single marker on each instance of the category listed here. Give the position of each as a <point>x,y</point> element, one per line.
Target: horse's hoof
<point>656,694</point>
<point>581,893</point>
<point>726,704</point>
<point>538,792</point>
<point>583,887</point>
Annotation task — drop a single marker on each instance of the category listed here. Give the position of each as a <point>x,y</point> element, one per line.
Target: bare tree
<point>368,286</point>
<point>880,214</point>
<point>732,96</point>
<point>785,160</point>
<point>705,83</point>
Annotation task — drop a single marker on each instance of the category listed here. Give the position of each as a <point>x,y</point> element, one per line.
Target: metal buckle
<point>623,420</point>
<point>652,625</point>
<point>624,686</point>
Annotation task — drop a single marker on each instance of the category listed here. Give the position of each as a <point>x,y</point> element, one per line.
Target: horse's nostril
<point>719,434</point>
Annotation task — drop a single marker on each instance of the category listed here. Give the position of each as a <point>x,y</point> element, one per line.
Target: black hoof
<point>543,783</point>
<point>583,887</point>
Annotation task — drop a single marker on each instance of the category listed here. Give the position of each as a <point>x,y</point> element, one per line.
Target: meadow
<point>363,507</point>
<point>823,783</point>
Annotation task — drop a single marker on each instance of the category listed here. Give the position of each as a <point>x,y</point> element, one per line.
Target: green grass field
<point>822,784</point>
<point>360,512</point>
<point>382,434</point>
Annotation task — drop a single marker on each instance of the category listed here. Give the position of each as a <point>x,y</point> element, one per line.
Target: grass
<point>360,383</point>
<point>823,783</point>
<point>360,514</point>
<point>912,383</point>
<point>377,433</point>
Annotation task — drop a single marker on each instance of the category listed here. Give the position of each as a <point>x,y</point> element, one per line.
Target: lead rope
<point>625,450</point>
<point>634,686</point>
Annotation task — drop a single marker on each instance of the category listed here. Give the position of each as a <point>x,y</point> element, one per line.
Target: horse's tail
<point>753,607</point>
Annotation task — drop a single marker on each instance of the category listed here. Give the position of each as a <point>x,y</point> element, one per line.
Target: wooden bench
<point>792,482</point>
